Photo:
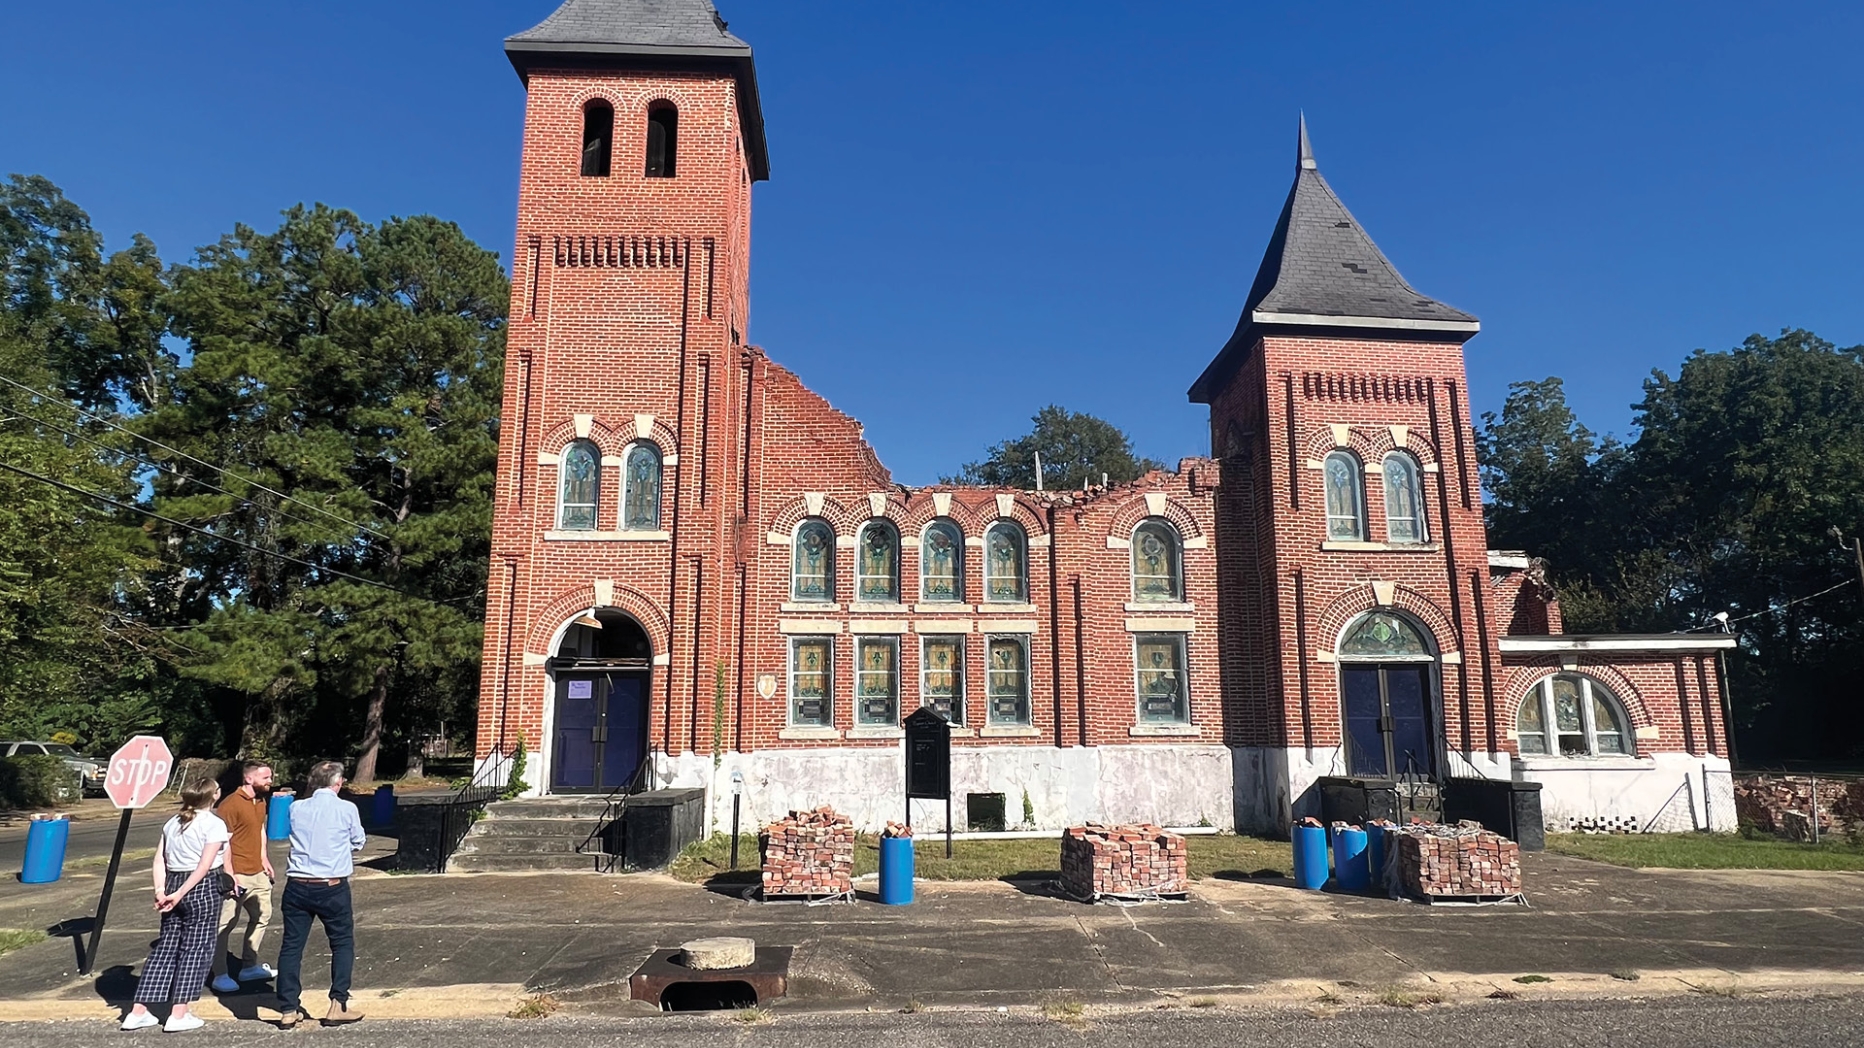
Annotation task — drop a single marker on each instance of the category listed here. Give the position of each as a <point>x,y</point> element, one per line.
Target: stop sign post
<point>137,774</point>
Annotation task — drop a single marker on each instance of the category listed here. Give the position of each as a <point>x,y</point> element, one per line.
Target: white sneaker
<point>258,973</point>
<point>225,984</point>
<point>132,1021</point>
<point>183,1023</point>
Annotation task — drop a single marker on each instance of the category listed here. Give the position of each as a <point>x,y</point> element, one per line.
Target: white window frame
<point>860,550</point>
<point>990,695</point>
<point>1542,692</point>
<point>1183,671</point>
<point>563,480</point>
<point>861,719</point>
<point>957,533</point>
<point>828,690</point>
<point>1414,479</point>
<point>1022,591</point>
<point>958,675</point>
<point>796,537</point>
<point>1356,470</point>
<point>1174,570</point>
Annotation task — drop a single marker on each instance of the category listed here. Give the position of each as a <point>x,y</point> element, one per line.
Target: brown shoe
<point>340,1013</point>
<point>290,1020</point>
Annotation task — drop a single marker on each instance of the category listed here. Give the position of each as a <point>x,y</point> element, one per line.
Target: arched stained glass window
<point>640,491</point>
<point>1006,568</point>
<point>1571,715</point>
<point>1404,500</point>
<point>941,563</point>
<point>1382,635</point>
<point>879,563</point>
<point>812,564</point>
<point>1157,567</point>
<point>1346,513</point>
<point>580,486</point>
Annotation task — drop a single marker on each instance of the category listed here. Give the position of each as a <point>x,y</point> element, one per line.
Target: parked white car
<point>90,771</point>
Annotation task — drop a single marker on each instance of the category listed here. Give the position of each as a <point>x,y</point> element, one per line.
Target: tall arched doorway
<point>1388,674</point>
<point>598,735</point>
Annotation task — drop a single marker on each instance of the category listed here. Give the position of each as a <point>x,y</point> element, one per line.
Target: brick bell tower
<point>1353,559</point>
<point>624,380</point>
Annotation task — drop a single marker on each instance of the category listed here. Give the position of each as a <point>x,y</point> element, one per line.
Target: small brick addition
<point>1438,861</point>
<point>811,853</point>
<point>1139,859</point>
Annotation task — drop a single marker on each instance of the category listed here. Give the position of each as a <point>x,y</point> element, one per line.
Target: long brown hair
<point>197,796</point>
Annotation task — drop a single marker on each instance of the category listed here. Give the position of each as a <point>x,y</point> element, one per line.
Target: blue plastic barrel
<point>385,804</point>
<point>1375,858</point>
<point>1349,859</point>
<point>896,870</point>
<point>45,850</point>
<point>1310,856</point>
<point>278,817</point>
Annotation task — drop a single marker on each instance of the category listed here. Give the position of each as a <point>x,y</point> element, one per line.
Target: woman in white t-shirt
<point>188,896</point>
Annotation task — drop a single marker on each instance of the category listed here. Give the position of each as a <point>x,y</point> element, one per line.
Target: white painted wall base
<point>1662,792</point>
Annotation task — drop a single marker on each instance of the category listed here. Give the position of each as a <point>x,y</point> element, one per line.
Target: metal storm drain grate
<point>669,982</point>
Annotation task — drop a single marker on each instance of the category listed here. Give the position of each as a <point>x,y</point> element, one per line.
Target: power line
<point>1771,610</point>
<point>142,460</point>
<point>43,395</point>
<point>212,535</point>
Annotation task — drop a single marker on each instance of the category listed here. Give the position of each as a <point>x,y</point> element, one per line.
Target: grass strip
<point>1707,851</point>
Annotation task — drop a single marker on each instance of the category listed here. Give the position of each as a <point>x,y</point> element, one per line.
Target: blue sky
<point>977,208</point>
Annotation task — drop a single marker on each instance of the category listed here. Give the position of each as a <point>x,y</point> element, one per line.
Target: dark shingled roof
<point>1322,270</point>
<point>651,34</point>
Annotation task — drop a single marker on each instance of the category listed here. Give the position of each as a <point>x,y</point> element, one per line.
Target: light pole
<point>737,798</point>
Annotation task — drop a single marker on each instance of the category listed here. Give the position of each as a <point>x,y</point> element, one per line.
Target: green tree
<point>1075,450</point>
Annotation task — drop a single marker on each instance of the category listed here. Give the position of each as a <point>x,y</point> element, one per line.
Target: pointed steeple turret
<point>1322,271</point>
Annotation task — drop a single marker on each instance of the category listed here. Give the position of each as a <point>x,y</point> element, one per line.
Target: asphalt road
<point>88,837</point>
<point>1665,1023</point>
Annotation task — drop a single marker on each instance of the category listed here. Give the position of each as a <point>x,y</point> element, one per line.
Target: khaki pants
<point>255,908</point>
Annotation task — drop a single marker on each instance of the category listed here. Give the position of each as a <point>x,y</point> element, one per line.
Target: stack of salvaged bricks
<point>1101,860</point>
<point>1782,804</point>
<point>809,853</point>
<point>1435,860</point>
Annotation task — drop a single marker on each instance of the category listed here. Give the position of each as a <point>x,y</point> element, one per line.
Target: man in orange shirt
<point>243,811</point>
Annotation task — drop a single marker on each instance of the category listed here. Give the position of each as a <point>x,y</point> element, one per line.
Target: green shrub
<point>37,782</point>
<point>514,785</point>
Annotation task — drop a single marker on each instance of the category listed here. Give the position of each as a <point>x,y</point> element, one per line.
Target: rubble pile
<point>1139,859</point>
<point>1782,804</point>
<point>809,853</point>
<point>1440,861</point>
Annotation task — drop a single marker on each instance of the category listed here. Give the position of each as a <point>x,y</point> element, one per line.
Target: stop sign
<point>138,771</point>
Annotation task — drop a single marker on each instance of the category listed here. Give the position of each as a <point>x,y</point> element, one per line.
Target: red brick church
<point>701,569</point>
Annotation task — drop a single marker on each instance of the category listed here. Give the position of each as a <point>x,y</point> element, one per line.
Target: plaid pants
<point>178,964</point>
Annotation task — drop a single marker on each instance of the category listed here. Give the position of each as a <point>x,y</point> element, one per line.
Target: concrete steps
<point>535,835</point>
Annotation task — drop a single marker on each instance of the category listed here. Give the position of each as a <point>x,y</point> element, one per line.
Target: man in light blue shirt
<point>325,830</point>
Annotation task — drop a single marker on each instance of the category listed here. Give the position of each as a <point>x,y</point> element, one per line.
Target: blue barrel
<point>1375,857</point>
<point>278,817</point>
<point>1349,859</point>
<point>896,870</point>
<point>45,850</point>
<point>385,804</point>
<point>1310,856</point>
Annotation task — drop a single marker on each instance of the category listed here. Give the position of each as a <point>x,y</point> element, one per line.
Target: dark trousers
<point>329,903</point>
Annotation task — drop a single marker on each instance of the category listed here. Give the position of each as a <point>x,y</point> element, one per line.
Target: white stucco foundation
<point>1170,785</point>
<point>1274,784</point>
<point>1663,792</point>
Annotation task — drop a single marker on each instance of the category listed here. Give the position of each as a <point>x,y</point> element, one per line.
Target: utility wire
<point>144,461</point>
<point>43,395</point>
<point>1771,610</point>
<point>212,535</point>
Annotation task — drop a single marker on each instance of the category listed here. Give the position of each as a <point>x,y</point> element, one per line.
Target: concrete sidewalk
<point>475,944</point>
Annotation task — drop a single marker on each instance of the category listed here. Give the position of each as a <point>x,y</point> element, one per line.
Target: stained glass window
<point>1156,564</point>
<point>1382,635</point>
<point>941,562</point>
<point>812,567</point>
<point>942,673</point>
<point>1005,567</point>
<point>580,487</point>
<point>1346,515</point>
<point>1009,681</point>
<point>1159,664</point>
<point>1404,500</point>
<point>879,563</point>
<point>640,498</point>
<point>1571,715</point>
<point>812,681</point>
<point>877,681</point>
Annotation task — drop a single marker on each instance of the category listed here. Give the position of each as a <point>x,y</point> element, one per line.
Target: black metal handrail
<point>612,807</point>
<point>459,813</point>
